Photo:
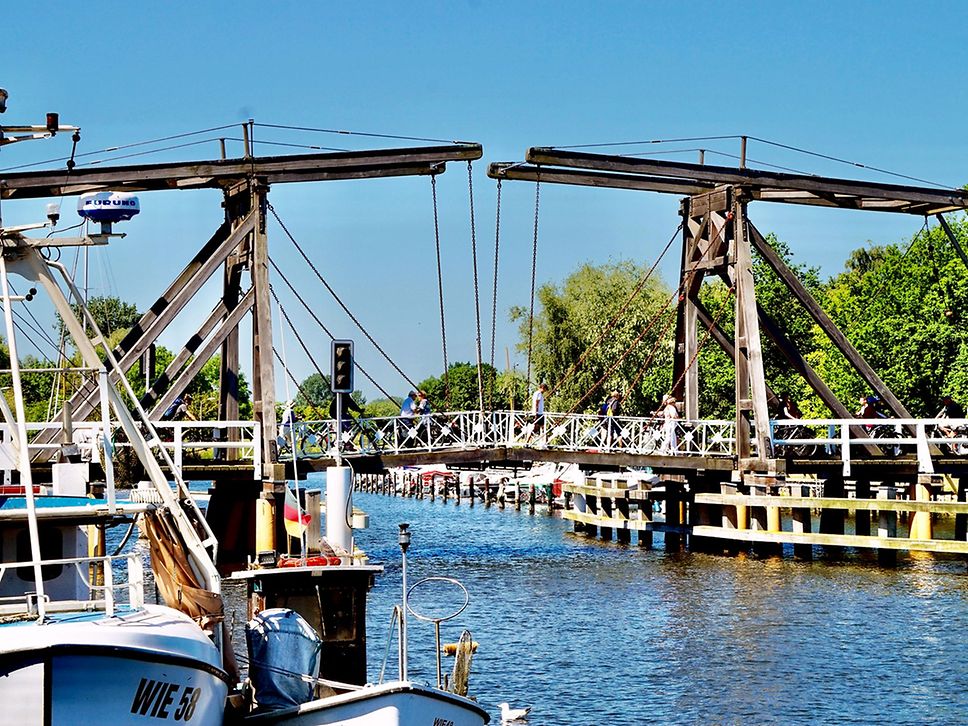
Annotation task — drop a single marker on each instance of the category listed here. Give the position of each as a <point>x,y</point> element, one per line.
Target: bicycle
<point>794,432</point>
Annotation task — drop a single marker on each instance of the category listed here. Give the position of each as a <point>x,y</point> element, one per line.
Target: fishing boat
<point>78,643</point>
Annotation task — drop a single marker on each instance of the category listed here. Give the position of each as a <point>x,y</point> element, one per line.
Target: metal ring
<point>467,598</point>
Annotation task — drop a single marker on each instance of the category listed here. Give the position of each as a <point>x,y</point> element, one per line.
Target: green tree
<point>111,314</point>
<point>635,355</point>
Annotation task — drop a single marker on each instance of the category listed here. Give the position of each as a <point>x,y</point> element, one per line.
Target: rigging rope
<point>709,331</point>
<point>497,249</point>
<point>611,323</point>
<point>534,267</point>
<point>292,327</point>
<point>676,294</point>
<point>326,330</point>
<point>338,300</point>
<point>440,291</point>
<point>477,296</point>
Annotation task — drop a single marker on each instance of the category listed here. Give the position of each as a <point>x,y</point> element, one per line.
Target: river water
<point>589,632</point>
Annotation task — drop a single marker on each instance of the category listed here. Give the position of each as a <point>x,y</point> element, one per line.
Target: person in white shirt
<point>670,415</point>
<point>537,411</point>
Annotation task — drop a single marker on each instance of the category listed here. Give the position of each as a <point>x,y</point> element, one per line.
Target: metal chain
<point>440,290</point>
<point>497,249</point>
<point>477,296</point>
<point>534,266</point>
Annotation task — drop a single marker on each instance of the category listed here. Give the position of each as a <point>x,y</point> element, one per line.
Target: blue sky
<point>873,82</point>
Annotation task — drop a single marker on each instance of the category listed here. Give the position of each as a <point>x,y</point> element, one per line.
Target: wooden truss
<point>718,239</point>
<point>238,246</point>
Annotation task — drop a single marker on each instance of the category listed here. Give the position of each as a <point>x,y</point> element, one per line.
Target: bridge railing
<point>849,439</point>
<point>182,439</point>
<point>490,429</point>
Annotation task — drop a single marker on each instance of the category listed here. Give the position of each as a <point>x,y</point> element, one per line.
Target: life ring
<point>314,561</point>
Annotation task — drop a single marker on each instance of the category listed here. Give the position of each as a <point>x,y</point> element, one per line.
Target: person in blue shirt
<point>405,420</point>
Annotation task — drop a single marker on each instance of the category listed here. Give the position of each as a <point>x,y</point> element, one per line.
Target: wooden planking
<point>641,525</point>
<point>833,540</point>
<point>894,505</point>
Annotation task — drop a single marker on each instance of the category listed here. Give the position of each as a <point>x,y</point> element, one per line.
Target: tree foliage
<point>903,306</point>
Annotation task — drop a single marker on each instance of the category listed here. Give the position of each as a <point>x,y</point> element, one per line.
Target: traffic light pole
<point>339,428</point>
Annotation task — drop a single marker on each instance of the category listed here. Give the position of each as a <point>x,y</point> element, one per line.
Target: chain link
<point>477,295</point>
<point>534,266</point>
<point>440,290</point>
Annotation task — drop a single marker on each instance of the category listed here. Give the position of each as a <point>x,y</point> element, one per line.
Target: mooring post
<point>887,525</point>
<point>921,525</point>
<point>862,517</point>
<point>532,498</point>
<point>832,519</point>
<point>802,523</point>
<point>961,520</point>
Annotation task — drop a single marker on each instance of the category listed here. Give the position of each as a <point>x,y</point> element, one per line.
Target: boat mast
<point>20,433</point>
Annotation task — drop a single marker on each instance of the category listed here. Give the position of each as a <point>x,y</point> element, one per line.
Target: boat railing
<point>133,583</point>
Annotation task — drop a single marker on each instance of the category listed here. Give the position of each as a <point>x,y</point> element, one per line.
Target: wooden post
<point>591,507</point>
<point>921,525</point>
<point>532,498</point>
<point>470,487</point>
<point>887,525</point>
<point>862,517</point>
<point>673,540</point>
<point>751,406</point>
<point>263,374</point>
<point>606,506</point>
<point>832,520</point>
<point>801,523</point>
<point>646,509</point>
<point>961,520</point>
<point>624,534</point>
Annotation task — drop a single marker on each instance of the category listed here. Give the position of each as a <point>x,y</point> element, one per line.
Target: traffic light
<point>341,377</point>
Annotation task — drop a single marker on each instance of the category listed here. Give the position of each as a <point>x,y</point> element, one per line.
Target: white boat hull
<point>147,667</point>
<point>397,703</point>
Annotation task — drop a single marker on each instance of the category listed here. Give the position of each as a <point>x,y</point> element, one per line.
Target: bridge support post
<point>887,525</point>
<point>832,520</point>
<point>675,506</point>
<point>591,506</point>
<point>624,534</point>
<point>961,520</point>
<point>921,491</point>
<point>802,523</point>
<point>862,517</point>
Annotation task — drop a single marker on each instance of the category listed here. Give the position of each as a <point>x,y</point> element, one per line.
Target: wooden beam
<point>793,284</point>
<point>201,358</point>
<point>191,346</point>
<point>224,172</point>
<point>523,172</point>
<point>940,199</point>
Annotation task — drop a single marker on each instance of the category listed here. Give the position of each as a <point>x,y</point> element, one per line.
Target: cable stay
<point>651,323</point>
<point>615,318</point>
<point>324,329</point>
<point>338,299</point>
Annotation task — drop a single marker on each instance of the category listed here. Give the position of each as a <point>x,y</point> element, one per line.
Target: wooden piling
<point>887,525</point>
<point>862,517</point>
<point>832,520</point>
<point>802,523</point>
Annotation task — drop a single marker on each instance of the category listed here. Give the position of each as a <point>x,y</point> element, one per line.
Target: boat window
<point>51,548</point>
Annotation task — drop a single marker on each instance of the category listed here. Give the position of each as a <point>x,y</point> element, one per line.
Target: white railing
<point>474,429</point>
<point>133,583</point>
<point>179,438</point>
<point>922,439</point>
